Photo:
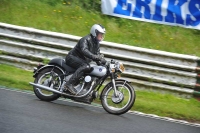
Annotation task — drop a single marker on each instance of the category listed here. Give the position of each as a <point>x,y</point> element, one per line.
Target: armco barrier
<point>146,68</point>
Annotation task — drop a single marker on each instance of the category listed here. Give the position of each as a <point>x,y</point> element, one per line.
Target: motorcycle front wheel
<point>121,103</point>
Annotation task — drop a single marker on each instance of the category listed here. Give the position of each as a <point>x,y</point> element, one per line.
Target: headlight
<point>121,67</point>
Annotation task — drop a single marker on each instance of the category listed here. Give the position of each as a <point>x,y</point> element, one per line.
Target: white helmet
<point>96,29</point>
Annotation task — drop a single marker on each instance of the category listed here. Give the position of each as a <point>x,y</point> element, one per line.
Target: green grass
<point>15,77</point>
<point>76,18</point>
<point>167,105</point>
<point>148,102</point>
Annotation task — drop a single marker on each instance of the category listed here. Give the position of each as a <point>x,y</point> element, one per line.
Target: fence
<point>145,68</point>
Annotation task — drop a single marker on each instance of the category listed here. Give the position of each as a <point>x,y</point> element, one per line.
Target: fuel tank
<point>99,71</point>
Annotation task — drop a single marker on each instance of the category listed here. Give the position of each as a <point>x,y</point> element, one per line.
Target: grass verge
<point>148,102</point>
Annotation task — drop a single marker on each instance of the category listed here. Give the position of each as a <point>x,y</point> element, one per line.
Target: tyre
<point>50,77</point>
<point>121,103</point>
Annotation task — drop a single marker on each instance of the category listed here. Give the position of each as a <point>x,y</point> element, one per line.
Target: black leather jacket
<point>86,48</point>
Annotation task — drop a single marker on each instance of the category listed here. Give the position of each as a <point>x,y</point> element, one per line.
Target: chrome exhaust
<point>46,88</point>
<point>58,92</point>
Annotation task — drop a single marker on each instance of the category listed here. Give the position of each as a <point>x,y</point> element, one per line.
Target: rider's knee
<point>86,67</point>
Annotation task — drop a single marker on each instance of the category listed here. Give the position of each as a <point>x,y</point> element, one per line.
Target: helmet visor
<point>100,36</point>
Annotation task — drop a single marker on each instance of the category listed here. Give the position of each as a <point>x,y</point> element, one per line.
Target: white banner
<point>185,13</point>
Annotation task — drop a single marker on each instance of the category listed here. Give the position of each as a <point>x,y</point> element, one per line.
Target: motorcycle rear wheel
<point>118,104</point>
<point>51,79</point>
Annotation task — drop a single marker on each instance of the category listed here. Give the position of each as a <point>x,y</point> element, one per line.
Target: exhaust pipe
<point>58,92</point>
<point>46,88</point>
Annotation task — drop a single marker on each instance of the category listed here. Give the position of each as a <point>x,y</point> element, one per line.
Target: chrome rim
<point>120,102</point>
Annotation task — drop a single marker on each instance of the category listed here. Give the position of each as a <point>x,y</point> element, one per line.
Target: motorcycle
<point>117,96</point>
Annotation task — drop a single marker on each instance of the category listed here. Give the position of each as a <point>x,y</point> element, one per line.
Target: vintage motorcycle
<point>117,96</point>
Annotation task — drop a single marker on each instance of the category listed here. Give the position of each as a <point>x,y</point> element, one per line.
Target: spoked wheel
<point>120,103</point>
<point>48,77</point>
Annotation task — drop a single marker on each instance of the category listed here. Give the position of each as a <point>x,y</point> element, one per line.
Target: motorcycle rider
<point>86,50</point>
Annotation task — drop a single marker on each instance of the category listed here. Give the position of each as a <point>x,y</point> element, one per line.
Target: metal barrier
<point>145,68</point>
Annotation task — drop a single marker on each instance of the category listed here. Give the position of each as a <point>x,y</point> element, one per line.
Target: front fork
<point>113,84</point>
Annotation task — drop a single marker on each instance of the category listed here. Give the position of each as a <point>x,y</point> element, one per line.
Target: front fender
<point>36,72</point>
<point>110,84</point>
<point>122,80</point>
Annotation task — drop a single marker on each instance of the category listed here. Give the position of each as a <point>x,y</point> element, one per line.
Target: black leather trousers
<point>79,64</point>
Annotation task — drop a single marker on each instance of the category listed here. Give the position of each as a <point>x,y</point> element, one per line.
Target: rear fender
<point>39,69</point>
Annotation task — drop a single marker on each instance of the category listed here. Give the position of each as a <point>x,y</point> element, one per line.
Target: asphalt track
<point>22,112</point>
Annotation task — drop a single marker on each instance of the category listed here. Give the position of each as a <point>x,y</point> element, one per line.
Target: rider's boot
<point>70,87</point>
